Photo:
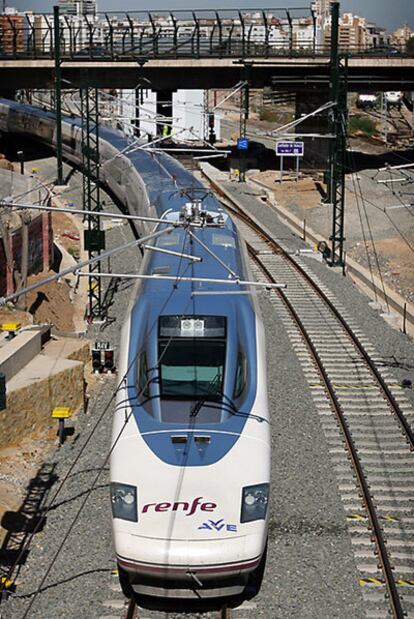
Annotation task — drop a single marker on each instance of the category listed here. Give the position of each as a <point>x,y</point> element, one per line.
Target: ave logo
<point>218,525</point>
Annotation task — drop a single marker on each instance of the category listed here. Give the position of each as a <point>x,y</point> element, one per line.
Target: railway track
<point>366,418</point>
<point>134,612</point>
<point>401,132</point>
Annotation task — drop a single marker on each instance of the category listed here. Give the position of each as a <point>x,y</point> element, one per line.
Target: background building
<point>12,27</point>
<point>77,7</point>
<point>401,36</point>
<point>352,32</point>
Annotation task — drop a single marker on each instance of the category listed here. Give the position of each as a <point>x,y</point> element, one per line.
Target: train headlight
<point>124,502</point>
<point>254,502</point>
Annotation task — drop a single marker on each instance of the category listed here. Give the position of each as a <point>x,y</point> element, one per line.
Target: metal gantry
<point>94,235</point>
<point>58,95</point>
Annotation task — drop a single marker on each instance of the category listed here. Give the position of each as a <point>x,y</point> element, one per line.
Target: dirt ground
<point>396,261</point>
<point>395,256</point>
<point>66,233</point>
<point>49,304</point>
<point>53,304</point>
<point>304,192</point>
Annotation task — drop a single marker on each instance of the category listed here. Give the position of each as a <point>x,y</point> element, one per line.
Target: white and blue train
<point>190,461</point>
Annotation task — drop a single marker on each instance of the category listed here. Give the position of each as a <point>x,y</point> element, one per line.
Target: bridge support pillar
<point>316,148</point>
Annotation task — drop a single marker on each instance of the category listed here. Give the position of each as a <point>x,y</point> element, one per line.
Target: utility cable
<point>68,473</point>
<point>364,206</point>
<point>398,196</point>
<point>128,417</point>
<point>361,221</point>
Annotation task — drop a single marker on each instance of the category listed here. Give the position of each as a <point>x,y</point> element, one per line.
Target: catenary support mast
<point>58,95</point>
<point>94,235</point>
<point>336,176</point>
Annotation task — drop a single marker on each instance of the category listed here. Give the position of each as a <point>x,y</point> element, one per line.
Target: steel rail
<point>375,526</point>
<point>133,611</point>
<point>384,387</point>
<point>384,560</point>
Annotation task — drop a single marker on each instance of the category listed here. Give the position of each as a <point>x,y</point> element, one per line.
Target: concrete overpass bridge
<point>193,50</point>
<point>188,49</point>
<point>289,73</point>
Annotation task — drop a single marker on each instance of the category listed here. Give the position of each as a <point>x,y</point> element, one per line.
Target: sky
<point>386,13</point>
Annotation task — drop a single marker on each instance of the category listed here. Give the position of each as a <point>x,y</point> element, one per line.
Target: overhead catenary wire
<point>134,145</point>
<point>298,121</point>
<point>178,279</point>
<point>368,256</point>
<point>398,195</point>
<point>76,211</point>
<point>60,487</point>
<point>364,207</point>
<point>386,213</point>
<point>80,265</point>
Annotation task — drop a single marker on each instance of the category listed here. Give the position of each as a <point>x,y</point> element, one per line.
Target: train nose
<point>188,569</point>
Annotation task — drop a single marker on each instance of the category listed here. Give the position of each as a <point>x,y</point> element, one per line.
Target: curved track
<point>373,417</point>
<point>401,129</point>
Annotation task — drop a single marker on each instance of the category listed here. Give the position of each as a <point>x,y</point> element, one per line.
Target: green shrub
<point>269,114</point>
<point>409,47</point>
<point>275,114</point>
<point>74,252</point>
<point>362,125</point>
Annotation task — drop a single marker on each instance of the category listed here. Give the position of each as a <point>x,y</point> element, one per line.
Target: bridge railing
<point>142,36</point>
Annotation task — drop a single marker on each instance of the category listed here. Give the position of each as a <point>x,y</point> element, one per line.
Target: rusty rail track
<point>384,560</point>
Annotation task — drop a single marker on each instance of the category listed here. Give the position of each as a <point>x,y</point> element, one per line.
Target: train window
<point>168,240</point>
<point>70,141</point>
<point>224,240</point>
<point>240,375</point>
<point>143,375</point>
<point>192,368</point>
<point>192,326</point>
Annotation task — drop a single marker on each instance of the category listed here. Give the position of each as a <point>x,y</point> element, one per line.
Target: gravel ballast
<point>310,568</point>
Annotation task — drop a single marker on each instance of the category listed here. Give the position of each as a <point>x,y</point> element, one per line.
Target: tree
<point>409,46</point>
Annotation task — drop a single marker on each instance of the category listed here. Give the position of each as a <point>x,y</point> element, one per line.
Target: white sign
<point>290,149</point>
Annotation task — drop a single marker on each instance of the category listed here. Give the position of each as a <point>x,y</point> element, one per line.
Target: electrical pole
<point>336,176</point>
<point>58,95</point>
<point>244,115</point>
<point>384,126</point>
<point>94,239</point>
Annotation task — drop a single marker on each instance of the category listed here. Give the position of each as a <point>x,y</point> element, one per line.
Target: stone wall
<point>29,408</point>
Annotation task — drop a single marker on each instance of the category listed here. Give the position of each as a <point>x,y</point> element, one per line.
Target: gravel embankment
<point>79,579</point>
<point>81,575</point>
<point>395,347</point>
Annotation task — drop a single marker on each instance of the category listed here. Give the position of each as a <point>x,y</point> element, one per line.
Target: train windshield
<point>192,369</point>
<point>192,353</point>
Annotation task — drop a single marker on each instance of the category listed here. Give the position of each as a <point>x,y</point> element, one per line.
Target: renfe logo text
<point>183,506</point>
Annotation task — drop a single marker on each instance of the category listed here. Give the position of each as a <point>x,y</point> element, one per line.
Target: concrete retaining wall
<point>16,353</point>
<point>29,407</point>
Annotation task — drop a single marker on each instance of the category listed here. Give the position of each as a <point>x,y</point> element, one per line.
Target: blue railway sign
<point>242,144</point>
